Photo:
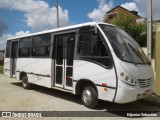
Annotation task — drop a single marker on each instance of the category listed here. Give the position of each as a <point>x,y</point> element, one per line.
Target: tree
<point>128,23</point>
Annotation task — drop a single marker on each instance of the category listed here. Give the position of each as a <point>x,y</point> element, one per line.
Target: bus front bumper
<point>126,93</point>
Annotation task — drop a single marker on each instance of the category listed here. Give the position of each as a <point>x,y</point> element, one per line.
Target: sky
<point>19,17</point>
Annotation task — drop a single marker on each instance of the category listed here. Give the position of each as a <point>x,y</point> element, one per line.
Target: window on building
<point>112,16</point>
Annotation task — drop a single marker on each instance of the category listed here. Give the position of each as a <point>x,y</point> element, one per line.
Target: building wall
<point>121,10</point>
<point>157,63</point>
<point>158,27</point>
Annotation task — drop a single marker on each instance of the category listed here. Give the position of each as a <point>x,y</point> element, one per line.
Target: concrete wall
<point>157,63</point>
<point>152,62</point>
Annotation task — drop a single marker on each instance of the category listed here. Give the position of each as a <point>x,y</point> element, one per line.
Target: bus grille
<point>145,82</point>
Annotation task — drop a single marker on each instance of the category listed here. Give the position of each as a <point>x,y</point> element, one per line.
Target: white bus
<point>96,60</point>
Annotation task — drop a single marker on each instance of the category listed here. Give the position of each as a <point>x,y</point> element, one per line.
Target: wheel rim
<point>87,96</point>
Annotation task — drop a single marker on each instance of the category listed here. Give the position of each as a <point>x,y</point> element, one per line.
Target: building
<point>157,56</point>
<point>113,13</point>
<point>156,23</point>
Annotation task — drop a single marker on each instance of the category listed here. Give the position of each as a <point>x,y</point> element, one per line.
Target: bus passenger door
<point>14,54</point>
<point>64,51</point>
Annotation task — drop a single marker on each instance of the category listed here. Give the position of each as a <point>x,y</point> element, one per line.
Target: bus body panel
<point>131,93</point>
<point>143,74</point>
<point>140,71</point>
<point>98,75</point>
<point>7,67</point>
<point>38,70</point>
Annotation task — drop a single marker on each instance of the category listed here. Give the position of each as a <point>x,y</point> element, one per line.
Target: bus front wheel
<point>89,96</point>
<point>25,83</point>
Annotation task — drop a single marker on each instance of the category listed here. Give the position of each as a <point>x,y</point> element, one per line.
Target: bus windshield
<point>124,46</point>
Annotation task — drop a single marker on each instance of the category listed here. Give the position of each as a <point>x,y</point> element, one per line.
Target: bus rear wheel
<point>89,96</point>
<point>25,83</point>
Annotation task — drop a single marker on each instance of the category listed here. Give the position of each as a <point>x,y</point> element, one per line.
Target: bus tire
<point>25,83</point>
<point>89,96</point>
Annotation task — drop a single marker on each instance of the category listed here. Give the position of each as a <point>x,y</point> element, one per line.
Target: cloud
<point>132,6</point>
<point>98,13</point>
<point>20,33</point>
<point>4,37</point>
<point>142,7</point>
<point>3,27</point>
<point>38,14</point>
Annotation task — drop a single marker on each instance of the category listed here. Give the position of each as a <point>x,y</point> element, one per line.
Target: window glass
<point>41,45</point>
<point>24,52</point>
<point>41,51</point>
<point>25,42</point>
<point>42,40</point>
<point>84,44</point>
<point>14,49</point>
<point>8,47</point>
<point>124,46</point>
<point>25,45</point>
<point>91,45</point>
<point>92,48</point>
<point>70,49</point>
<point>59,51</point>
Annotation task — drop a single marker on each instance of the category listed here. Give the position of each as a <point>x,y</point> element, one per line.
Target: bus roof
<point>59,29</point>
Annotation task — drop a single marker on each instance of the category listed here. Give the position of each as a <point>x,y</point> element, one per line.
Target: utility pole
<point>57,14</point>
<point>149,28</point>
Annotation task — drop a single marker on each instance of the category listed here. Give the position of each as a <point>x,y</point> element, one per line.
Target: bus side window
<point>39,51</point>
<point>41,45</point>
<point>84,44</point>
<point>24,52</point>
<point>92,47</point>
<point>25,47</point>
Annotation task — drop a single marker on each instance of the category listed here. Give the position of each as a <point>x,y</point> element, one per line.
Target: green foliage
<point>1,69</point>
<point>128,23</point>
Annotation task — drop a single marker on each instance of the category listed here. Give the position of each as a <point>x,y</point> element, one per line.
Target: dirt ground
<point>14,98</point>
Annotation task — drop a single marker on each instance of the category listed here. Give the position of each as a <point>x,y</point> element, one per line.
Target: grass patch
<point>1,69</point>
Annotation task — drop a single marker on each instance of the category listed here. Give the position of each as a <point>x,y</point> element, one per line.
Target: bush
<point>1,69</point>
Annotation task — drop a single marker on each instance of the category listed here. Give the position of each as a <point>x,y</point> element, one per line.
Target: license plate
<point>147,92</point>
